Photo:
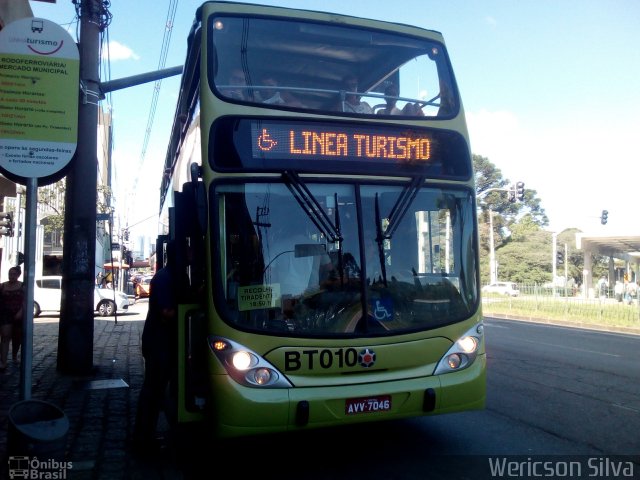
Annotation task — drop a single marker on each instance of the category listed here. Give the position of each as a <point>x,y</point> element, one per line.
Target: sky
<point>551,91</point>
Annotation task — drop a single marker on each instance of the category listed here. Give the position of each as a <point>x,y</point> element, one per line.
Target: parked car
<point>502,288</point>
<point>47,296</point>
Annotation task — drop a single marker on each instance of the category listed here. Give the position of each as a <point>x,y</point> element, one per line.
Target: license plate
<point>355,406</point>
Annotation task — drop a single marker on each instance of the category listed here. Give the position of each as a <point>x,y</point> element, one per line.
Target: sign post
<point>39,80</point>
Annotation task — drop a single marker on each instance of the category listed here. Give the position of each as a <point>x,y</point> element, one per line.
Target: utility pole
<point>516,192</point>
<point>493,270</point>
<point>75,340</point>
<point>554,260</point>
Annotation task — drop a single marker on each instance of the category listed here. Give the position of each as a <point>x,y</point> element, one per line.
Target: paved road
<point>551,391</point>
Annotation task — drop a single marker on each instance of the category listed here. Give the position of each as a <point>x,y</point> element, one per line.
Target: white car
<point>47,296</point>
<point>502,288</point>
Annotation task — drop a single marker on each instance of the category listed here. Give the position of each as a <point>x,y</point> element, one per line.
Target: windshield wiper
<point>401,206</point>
<point>311,207</point>
<point>331,230</point>
<point>398,211</point>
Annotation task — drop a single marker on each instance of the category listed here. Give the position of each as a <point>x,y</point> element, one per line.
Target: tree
<point>488,176</point>
<point>52,198</point>
<point>526,256</point>
<point>519,241</point>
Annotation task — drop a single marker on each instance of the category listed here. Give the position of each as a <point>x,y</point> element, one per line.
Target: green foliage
<point>523,248</point>
<point>53,197</point>
<point>533,304</point>
<point>526,258</point>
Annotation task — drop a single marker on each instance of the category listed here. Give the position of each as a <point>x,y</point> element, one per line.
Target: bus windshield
<point>294,260</point>
<point>303,65</point>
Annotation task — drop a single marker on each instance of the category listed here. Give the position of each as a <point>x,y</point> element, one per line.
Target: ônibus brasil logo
<point>367,358</point>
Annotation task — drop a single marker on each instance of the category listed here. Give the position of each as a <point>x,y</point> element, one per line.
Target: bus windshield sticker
<point>254,297</point>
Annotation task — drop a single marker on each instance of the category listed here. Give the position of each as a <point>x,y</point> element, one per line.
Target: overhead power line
<point>166,41</point>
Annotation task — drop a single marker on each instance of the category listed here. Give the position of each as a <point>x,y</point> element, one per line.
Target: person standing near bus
<point>11,316</point>
<point>159,352</point>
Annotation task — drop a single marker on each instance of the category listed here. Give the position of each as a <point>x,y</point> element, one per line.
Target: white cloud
<point>577,170</point>
<point>495,135</point>
<point>117,51</point>
<point>490,20</point>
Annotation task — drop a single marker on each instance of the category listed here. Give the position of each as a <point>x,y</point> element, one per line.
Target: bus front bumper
<point>240,410</point>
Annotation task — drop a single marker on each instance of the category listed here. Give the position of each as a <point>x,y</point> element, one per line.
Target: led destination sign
<point>286,140</point>
<point>312,146</point>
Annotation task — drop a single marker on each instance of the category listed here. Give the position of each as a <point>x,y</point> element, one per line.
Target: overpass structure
<point>622,246</point>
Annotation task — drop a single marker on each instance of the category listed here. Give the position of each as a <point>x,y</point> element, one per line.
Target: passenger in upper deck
<point>413,109</point>
<point>269,95</point>
<point>446,100</point>
<point>352,102</point>
<point>391,97</point>
<point>273,96</point>
<point>236,85</point>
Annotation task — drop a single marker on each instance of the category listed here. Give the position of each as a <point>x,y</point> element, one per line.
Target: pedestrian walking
<point>11,316</point>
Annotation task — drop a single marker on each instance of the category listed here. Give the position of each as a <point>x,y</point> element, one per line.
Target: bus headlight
<point>245,366</point>
<point>463,352</point>
<point>262,376</point>
<point>241,360</point>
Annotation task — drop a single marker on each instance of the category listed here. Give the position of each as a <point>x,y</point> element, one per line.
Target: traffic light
<point>512,194</point>
<point>560,258</point>
<point>6,224</point>
<point>603,217</point>
<point>520,191</point>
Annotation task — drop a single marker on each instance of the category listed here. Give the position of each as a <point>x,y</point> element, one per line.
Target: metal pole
<point>493,273</point>
<point>566,268</point>
<point>28,278</point>
<point>554,259</point>
<point>18,232</point>
<point>75,340</point>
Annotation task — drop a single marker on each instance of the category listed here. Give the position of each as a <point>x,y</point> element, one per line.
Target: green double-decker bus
<point>319,185</point>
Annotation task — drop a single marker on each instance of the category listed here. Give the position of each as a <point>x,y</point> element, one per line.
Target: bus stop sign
<point>39,80</point>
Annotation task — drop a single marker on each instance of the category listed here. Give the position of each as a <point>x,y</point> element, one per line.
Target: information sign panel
<point>39,80</point>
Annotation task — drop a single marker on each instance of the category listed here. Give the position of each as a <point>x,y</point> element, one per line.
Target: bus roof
<point>287,11</point>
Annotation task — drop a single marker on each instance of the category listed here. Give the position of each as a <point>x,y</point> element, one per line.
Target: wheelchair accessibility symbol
<point>383,309</point>
<point>265,142</point>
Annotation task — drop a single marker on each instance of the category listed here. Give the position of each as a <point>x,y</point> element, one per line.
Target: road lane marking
<point>626,408</point>
<point>572,348</point>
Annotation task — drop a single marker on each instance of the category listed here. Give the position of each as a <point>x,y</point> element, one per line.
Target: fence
<point>535,301</point>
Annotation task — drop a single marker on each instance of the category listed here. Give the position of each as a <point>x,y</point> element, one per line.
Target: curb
<point>566,323</point>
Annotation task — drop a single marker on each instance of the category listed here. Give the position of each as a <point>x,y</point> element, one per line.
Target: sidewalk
<point>100,407</point>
